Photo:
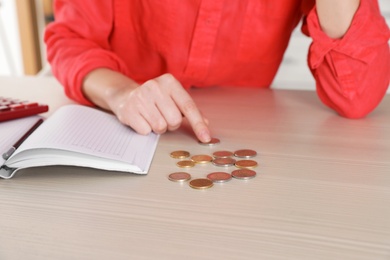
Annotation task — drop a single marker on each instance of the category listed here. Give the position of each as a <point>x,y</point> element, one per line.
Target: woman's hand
<point>157,105</point>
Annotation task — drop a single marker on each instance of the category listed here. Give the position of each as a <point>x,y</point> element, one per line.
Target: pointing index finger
<point>189,109</point>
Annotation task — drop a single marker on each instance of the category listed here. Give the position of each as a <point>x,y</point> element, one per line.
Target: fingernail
<point>205,136</point>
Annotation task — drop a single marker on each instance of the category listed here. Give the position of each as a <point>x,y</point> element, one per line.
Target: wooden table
<point>322,189</point>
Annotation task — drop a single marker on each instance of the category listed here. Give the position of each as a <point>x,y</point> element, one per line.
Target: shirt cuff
<point>368,29</point>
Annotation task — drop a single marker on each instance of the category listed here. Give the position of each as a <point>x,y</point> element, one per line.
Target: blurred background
<point>22,51</point>
<point>22,23</point>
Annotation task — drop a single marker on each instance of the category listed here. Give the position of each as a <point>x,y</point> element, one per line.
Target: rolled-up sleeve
<point>77,42</point>
<point>352,73</point>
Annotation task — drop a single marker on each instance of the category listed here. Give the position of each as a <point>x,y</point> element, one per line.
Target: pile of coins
<point>241,159</point>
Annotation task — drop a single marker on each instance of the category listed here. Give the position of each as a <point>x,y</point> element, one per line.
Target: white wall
<point>10,50</point>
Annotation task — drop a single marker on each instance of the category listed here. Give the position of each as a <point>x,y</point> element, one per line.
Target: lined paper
<point>90,131</point>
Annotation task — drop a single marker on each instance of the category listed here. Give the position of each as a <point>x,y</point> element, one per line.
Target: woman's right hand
<point>157,105</point>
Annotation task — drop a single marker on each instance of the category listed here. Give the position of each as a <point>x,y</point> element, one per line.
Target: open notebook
<point>79,136</point>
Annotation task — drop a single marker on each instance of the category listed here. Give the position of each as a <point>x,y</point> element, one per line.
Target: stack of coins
<point>241,159</point>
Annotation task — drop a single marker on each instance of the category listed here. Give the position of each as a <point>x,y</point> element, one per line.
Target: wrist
<point>106,88</point>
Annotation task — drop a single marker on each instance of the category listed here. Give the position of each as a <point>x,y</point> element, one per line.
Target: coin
<point>243,174</point>
<point>201,184</point>
<point>224,161</point>
<point>219,176</point>
<point>222,154</point>
<point>185,164</point>
<point>213,141</point>
<point>246,164</point>
<point>245,153</point>
<point>179,176</point>
<point>202,158</point>
<point>180,154</point>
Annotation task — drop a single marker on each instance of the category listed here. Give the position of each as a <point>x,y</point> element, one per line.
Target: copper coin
<point>179,176</point>
<point>245,153</point>
<point>180,154</point>
<point>201,184</point>
<point>185,164</point>
<point>202,158</point>
<point>213,141</point>
<point>222,154</point>
<point>243,174</point>
<point>219,176</point>
<point>224,161</point>
<point>246,164</point>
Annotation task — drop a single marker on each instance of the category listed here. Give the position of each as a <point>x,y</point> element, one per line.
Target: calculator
<point>11,108</point>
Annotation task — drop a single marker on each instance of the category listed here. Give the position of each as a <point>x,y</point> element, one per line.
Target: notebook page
<point>11,131</point>
<point>91,131</point>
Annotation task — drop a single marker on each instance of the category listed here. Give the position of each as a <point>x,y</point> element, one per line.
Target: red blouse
<point>218,42</point>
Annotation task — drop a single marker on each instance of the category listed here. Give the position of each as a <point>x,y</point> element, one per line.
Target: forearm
<point>335,16</point>
<point>352,73</point>
<point>104,86</point>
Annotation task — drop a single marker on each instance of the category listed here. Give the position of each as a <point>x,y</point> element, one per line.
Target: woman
<point>137,57</point>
